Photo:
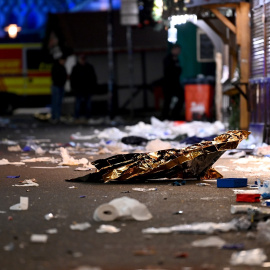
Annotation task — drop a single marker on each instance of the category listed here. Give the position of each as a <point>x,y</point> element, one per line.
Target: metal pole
<point>130,66</point>
<point>144,80</point>
<point>110,61</point>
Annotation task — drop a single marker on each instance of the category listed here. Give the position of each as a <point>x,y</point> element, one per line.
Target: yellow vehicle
<point>25,80</point>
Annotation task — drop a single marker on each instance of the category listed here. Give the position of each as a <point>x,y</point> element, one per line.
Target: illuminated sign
<point>196,3</point>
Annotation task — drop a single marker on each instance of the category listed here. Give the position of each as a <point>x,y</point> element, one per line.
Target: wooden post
<point>243,40</point>
<point>218,96</point>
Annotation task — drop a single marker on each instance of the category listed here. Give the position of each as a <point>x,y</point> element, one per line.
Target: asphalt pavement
<point>128,249</point>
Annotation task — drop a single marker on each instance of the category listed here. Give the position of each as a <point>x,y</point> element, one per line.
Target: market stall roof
<point>85,31</point>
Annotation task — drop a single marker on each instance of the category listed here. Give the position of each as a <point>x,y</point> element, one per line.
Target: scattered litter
<point>110,134</point>
<point>251,235</point>
<point>9,247</point>
<point>57,167</point>
<point>6,162</point>
<point>248,257</point>
<point>23,205</point>
<point>263,151</point>
<point>181,255</point>
<point>108,229</point>
<point>178,213</point>
<point>49,216</point>
<point>266,264</point>
<point>202,184</point>
<point>231,182</point>
<point>78,136</point>
<point>68,160</point>
<point>83,196</point>
<point>52,231</point>
<point>134,140</point>
<point>3,212</point>
<point>80,226</point>
<point>39,238</point>
<point>242,191</point>
<point>263,229</point>
<point>27,148</point>
<point>122,208</point>
<point>13,176</point>
<point>212,241</point>
<point>234,154</point>
<point>72,187</point>
<point>27,183</point>
<point>84,169</point>
<point>144,252</point>
<point>8,142</point>
<point>236,209</point>
<point>157,145</point>
<point>170,129</point>
<point>42,159</point>
<point>176,183</point>
<point>86,267</point>
<point>40,151</point>
<point>248,198</point>
<point>144,189</point>
<point>77,254</point>
<point>15,148</point>
<point>202,228</point>
<point>233,246</point>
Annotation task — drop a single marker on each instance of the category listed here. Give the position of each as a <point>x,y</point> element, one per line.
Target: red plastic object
<point>202,94</point>
<point>178,123</point>
<point>248,197</point>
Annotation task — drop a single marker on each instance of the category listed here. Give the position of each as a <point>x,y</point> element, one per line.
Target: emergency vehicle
<point>25,80</point>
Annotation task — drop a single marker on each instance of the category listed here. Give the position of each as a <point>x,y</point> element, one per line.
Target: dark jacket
<point>172,72</point>
<point>83,79</point>
<point>59,75</point>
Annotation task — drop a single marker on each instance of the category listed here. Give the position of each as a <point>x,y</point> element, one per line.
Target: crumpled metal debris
<point>194,161</point>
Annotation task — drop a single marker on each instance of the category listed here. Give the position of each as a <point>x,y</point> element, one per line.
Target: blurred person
<point>171,85</point>
<point>59,78</point>
<point>83,82</point>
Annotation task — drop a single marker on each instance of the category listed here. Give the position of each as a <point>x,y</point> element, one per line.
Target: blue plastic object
<point>231,182</point>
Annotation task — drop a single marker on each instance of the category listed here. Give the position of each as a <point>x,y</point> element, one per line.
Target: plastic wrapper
<point>194,161</point>
<point>202,228</point>
<point>263,229</point>
<point>107,229</point>
<point>212,241</point>
<point>80,226</point>
<point>248,257</point>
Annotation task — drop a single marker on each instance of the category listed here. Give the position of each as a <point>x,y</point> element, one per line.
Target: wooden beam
<point>221,35</point>
<point>216,30</point>
<point>243,39</point>
<point>227,5</point>
<point>224,19</point>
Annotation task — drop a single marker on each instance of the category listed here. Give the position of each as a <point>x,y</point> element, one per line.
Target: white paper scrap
<point>80,226</point>
<point>23,205</point>
<point>39,238</point>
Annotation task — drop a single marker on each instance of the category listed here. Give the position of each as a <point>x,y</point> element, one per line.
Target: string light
<point>12,30</point>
